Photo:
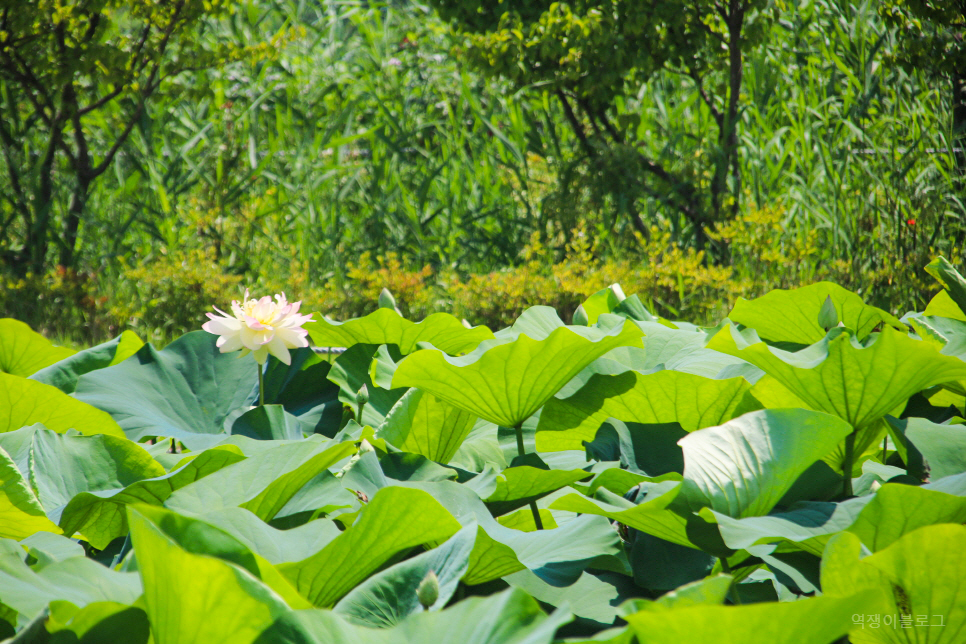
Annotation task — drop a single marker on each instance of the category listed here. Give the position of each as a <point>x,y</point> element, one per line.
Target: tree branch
<point>575,124</point>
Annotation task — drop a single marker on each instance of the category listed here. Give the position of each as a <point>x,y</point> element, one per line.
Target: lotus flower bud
<point>827,317</point>
<point>428,591</point>
<point>386,300</point>
<point>580,316</point>
<point>366,446</point>
<point>363,396</point>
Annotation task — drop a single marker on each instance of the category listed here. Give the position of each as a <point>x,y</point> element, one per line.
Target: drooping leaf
<point>423,424</point>
<point>793,315</point>
<point>743,467</point>
<point>507,381</point>
<point>603,301</point>
<point>351,372</point>
<point>186,389</point>
<point>262,483</point>
<point>23,351</point>
<point>656,398</point>
<point>878,520</point>
<point>385,599</point>
<point>268,422</point>
<point>919,575</point>
<point>521,621</point>
<point>21,514</point>
<point>65,466</point>
<point>653,516</point>
<point>276,546</point>
<point>78,580</point>
<point>818,620</point>
<point>385,326</point>
<point>26,402</point>
<point>396,519</point>
<point>517,486</point>
<point>594,596</point>
<point>942,447</point>
<point>953,283</point>
<point>99,513</point>
<point>230,605</point>
<point>64,374</point>
<point>942,305</point>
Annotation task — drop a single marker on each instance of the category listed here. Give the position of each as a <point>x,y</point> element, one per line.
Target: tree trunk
<point>78,202</point>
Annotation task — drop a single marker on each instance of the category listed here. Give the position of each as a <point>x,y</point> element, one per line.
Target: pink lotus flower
<point>260,326</point>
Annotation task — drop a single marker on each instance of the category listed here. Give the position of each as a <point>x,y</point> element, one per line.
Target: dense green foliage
<point>795,474</point>
<point>281,141</point>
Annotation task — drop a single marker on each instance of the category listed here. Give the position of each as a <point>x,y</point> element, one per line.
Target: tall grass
<point>361,134</point>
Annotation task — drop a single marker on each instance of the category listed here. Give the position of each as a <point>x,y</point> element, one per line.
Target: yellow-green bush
<point>170,295</point>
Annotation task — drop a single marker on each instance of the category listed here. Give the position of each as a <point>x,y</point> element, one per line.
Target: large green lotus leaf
<point>953,283</point>
<point>21,514</point>
<point>385,599</point>
<point>99,514</point>
<point>792,316</point>
<point>395,520</point>
<point>517,486</point>
<point>656,398</point>
<point>653,516</point>
<point>186,389</point>
<point>858,382</point>
<point>819,620</point>
<point>26,402</point>
<point>744,467</point>
<point>921,574</point>
<point>192,597</point>
<point>942,447</point>
<point>64,466</point>
<point>942,305</point>
<point>64,374</point>
<point>262,483</point>
<point>385,326</point>
<point>421,423</point>
<point>507,381</point>
<point>471,621</point>
<point>78,580</point>
<point>23,351</point>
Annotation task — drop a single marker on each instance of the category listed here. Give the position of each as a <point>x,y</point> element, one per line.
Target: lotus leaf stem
<point>533,504</point>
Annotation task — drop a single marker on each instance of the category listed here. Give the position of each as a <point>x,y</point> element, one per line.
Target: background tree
<point>591,54</point>
<point>930,37</point>
<point>75,77</point>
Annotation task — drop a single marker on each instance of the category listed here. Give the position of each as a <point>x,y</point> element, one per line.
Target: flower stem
<point>885,449</point>
<point>847,464</point>
<point>732,591</point>
<point>261,386</point>
<point>533,504</point>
